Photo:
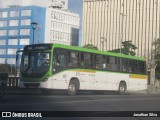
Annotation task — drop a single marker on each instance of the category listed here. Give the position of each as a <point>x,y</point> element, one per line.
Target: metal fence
<point>13,82</point>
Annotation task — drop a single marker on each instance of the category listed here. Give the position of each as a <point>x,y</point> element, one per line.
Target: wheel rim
<point>72,87</point>
<point>122,88</point>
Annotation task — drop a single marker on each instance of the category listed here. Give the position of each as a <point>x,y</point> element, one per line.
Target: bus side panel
<point>100,82</point>
<point>86,79</point>
<point>137,84</point>
<point>113,80</point>
<point>57,81</point>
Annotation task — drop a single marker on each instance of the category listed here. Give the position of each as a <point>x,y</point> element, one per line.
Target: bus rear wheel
<point>72,88</point>
<point>122,88</point>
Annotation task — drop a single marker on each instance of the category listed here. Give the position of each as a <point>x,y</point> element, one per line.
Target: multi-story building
<point>41,3</point>
<point>16,30</point>
<point>106,23</point>
<point>55,25</point>
<point>62,27</point>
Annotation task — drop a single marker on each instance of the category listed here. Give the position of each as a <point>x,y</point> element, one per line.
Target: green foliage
<point>90,46</point>
<point>156,44</point>
<point>127,48</point>
<point>6,68</point>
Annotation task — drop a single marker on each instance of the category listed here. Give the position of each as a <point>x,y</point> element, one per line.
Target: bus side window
<point>107,63</point>
<point>112,63</point>
<point>141,67</point>
<point>130,66</point>
<point>117,64</point>
<point>134,66</point>
<point>61,60</point>
<point>100,62</point>
<point>124,65</point>
<point>93,61</point>
<point>85,60</point>
<point>73,59</point>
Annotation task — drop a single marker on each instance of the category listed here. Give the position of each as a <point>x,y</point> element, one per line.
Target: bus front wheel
<point>122,88</point>
<point>72,88</point>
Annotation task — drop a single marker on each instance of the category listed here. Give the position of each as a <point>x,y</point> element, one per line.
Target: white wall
<point>41,3</point>
<point>61,3</point>
<point>62,27</point>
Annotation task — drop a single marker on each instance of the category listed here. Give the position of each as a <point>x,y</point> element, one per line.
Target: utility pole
<point>103,39</point>
<point>121,39</point>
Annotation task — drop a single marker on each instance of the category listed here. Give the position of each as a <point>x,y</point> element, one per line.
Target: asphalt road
<point>82,102</point>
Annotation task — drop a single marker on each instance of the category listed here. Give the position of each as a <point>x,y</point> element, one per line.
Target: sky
<point>76,6</point>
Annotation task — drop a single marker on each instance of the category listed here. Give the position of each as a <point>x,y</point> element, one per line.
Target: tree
<point>156,44</point>
<point>90,46</point>
<point>127,48</point>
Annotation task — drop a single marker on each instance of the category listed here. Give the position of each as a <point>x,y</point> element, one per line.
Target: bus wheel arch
<point>122,87</point>
<point>73,86</point>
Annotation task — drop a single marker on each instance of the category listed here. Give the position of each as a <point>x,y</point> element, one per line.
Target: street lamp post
<point>103,39</point>
<point>121,39</point>
<point>34,26</point>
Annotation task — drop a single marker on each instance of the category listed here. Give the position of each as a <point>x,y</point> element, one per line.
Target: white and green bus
<point>61,67</point>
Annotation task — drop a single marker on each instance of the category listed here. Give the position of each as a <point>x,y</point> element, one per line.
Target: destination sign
<point>38,47</point>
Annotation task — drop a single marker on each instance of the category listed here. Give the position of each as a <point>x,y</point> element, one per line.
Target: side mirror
<point>17,56</point>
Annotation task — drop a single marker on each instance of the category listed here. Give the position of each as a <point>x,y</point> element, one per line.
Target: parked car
<point>3,83</point>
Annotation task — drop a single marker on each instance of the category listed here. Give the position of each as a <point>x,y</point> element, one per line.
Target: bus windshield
<point>35,62</point>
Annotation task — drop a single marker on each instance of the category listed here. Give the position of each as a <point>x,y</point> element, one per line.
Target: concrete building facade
<point>62,26</point>
<point>106,23</point>
<point>63,4</point>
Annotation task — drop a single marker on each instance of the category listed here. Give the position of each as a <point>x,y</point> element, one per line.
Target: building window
<point>13,42</point>
<point>25,32</point>
<point>24,41</point>
<point>2,42</point>
<point>2,51</point>
<point>56,35</point>
<point>13,23</point>
<point>11,60</point>
<point>3,14</point>
<point>3,23</point>
<point>26,13</point>
<point>26,22</point>
<point>12,51</point>
<point>14,14</point>
<point>3,32</point>
<point>52,35</point>
<point>2,60</point>
<point>13,32</point>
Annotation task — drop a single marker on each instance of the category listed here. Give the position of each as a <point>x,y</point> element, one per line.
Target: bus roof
<point>97,52</point>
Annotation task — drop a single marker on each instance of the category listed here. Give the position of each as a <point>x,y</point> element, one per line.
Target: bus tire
<point>46,91</point>
<point>1,91</point>
<point>72,88</point>
<point>122,88</point>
